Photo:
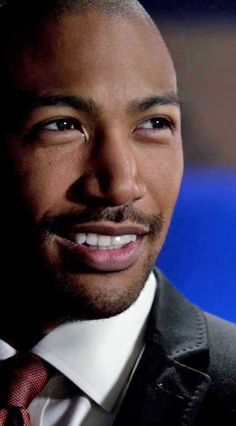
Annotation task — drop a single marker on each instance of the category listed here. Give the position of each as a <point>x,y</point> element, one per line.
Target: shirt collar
<point>6,350</point>
<point>99,355</point>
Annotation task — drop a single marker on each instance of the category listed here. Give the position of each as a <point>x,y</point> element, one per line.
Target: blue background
<point>192,8</point>
<point>199,255</point>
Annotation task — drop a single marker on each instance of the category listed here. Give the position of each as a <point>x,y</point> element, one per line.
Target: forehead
<point>95,50</point>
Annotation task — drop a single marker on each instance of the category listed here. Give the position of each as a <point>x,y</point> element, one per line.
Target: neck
<point>25,319</point>
<point>23,335</point>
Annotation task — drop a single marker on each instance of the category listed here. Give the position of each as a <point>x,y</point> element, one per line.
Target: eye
<point>156,124</point>
<point>59,130</point>
<point>63,125</point>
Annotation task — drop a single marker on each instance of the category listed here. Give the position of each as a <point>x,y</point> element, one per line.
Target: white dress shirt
<point>95,360</point>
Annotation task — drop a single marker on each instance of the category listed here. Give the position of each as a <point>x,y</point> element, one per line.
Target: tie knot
<point>22,377</point>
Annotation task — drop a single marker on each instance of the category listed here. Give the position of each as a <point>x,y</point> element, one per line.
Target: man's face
<point>98,157</point>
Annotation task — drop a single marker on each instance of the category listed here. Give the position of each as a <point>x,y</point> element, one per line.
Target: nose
<point>112,175</point>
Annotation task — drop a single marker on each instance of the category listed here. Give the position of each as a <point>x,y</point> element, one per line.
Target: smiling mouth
<point>102,241</point>
<point>104,247</point>
<point>102,235</point>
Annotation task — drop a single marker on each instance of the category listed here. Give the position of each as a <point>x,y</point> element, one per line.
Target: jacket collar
<point>171,381</point>
<point>180,324</point>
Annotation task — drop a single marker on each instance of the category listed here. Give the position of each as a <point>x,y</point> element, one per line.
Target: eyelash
<point>61,121</point>
<point>161,123</point>
<point>42,127</point>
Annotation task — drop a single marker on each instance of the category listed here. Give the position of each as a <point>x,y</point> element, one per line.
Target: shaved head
<point>41,8</point>
<point>22,21</point>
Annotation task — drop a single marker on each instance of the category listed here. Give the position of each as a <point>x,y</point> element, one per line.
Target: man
<point>91,164</point>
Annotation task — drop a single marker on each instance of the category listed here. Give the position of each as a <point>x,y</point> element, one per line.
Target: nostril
<point>102,190</point>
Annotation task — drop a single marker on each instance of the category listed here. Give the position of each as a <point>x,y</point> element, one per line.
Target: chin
<point>95,295</point>
<point>79,292</point>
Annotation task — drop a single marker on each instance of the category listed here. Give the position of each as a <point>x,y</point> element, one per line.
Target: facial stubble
<point>74,293</point>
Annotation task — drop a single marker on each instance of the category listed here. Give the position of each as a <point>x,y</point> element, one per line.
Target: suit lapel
<point>169,384</point>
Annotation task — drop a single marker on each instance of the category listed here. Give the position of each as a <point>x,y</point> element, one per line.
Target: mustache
<point>154,222</point>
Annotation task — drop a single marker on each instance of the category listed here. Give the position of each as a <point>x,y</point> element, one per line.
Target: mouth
<point>103,247</point>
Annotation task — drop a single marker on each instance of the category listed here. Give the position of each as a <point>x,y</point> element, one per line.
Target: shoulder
<point>222,354</point>
<point>220,401</point>
<point>202,342</point>
<point>189,332</point>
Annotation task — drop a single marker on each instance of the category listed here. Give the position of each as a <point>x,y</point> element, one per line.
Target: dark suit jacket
<point>187,374</point>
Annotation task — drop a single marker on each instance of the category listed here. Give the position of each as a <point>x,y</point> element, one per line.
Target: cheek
<point>163,178</point>
<point>44,176</point>
<point>163,181</point>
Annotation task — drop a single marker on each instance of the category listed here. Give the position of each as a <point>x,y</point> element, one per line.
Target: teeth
<point>92,239</point>
<point>106,242</point>
<point>80,238</point>
<point>119,240</point>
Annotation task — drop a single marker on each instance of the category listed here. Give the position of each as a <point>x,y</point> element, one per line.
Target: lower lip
<point>105,260</point>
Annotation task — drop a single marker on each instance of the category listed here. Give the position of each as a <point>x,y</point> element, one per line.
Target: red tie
<point>22,378</point>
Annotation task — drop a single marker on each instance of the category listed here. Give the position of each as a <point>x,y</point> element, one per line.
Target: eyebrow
<point>23,102</point>
<point>75,102</point>
<point>152,101</point>
<point>89,106</point>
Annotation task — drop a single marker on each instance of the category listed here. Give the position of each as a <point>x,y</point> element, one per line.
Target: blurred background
<point>199,255</point>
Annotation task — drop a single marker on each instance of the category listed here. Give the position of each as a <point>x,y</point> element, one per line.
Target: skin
<point>114,161</point>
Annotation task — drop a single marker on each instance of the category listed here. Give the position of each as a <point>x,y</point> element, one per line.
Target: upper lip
<point>105,228</point>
